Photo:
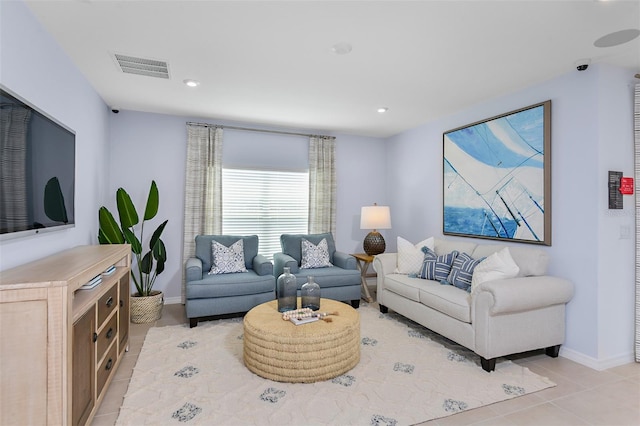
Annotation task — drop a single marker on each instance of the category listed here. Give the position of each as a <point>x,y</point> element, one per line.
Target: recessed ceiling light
<point>191,83</point>
<point>341,48</point>
<point>382,110</point>
<point>617,38</point>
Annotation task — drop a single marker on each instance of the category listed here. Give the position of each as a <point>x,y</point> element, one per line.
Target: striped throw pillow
<point>436,267</point>
<point>462,271</point>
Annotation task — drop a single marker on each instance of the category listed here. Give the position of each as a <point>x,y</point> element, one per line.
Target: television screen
<point>37,169</point>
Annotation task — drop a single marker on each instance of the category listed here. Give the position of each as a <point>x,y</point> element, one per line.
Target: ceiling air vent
<point>142,66</point>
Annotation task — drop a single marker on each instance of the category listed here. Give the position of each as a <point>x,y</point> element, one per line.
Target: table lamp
<point>374,217</point>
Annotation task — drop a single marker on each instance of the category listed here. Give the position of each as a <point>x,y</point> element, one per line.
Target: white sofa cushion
<point>447,299</point>
<point>447,246</point>
<point>410,255</point>
<point>497,266</point>
<point>404,286</point>
<point>531,261</point>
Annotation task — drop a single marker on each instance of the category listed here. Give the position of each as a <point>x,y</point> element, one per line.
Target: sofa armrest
<point>524,293</point>
<point>281,260</point>
<point>385,263</point>
<point>261,265</point>
<point>193,269</point>
<point>344,260</point>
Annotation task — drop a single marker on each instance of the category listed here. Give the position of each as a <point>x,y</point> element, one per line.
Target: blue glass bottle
<point>310,294</point>
<point>287,291</point>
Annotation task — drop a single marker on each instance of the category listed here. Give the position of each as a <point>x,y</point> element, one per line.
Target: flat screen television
<point>37,169</point>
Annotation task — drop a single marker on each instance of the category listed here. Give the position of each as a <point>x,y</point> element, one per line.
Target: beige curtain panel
<point>203,188</point>
<point>322,185</point>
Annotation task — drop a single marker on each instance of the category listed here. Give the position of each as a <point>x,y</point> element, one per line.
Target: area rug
<point>406,375</point>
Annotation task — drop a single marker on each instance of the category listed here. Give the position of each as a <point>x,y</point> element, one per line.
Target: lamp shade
<point>375,217</point>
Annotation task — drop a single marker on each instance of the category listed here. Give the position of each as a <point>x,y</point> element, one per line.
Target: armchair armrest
<point>523,294</point>
<point>280,260</point>
<point>344,260</point>
<point>193,269</point>
<point>262,266</point>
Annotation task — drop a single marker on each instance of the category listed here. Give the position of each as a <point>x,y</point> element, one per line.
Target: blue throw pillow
<point>436,267</point>
<point>462,271</point>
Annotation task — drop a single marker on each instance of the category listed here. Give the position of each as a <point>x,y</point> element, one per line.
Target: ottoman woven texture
<point>282,351</point>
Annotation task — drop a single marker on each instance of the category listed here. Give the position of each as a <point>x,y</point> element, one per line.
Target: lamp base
<point>374,243</point>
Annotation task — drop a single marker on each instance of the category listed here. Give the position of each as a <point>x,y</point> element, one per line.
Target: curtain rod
<point>251,129</point>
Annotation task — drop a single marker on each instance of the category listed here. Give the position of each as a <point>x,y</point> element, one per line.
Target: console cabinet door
<point>83,367</point>
<point>23,357</point>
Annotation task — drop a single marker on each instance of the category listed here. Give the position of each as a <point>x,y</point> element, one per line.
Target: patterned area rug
<point>406,375</point>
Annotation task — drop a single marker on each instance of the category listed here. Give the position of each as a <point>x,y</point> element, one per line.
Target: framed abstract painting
<point>497,177</point>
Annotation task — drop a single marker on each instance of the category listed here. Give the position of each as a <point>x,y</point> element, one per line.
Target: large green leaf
<point>160,251</point>
<point>101,238</point>
<point>156,235</point>
<point>109,229</point>
<point>147,263</point>
<point>159,266</point>
<point>153,200</point>
<point>126,209</point>
<point>130,237</point>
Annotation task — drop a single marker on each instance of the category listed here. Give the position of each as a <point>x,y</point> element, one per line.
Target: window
<point>267,203</point>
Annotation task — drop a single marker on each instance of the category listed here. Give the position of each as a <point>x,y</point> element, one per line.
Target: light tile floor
<point>582,396</point>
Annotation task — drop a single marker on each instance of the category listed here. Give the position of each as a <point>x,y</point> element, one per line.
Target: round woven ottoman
<point>282,351</point>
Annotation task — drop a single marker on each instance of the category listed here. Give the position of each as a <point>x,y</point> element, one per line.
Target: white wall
<point>591,133</point>
<point>147,146</point>
<point>33,66</point>
<point>615,249</point>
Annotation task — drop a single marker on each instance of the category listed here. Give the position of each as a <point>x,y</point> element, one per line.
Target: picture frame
<point>497,177</point>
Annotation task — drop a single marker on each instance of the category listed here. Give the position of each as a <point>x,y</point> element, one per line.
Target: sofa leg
<point>488,365</point>
<point>193,322</point>
<point>355,303</point>
<point>384,309</point>
<point>553,351</point>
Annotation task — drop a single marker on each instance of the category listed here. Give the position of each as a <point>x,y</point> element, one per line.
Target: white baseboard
<point>596,364</point>
<point>172,300</point>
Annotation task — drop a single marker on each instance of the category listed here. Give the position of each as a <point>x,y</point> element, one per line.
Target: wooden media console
<point>61,345</point>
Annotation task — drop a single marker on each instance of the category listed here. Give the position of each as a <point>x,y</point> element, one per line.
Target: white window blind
<point>267,203</point>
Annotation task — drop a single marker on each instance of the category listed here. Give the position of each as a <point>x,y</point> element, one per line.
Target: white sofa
<point>498,318</point>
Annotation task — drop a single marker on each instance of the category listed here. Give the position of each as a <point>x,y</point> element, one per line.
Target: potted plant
<point>146,303</point>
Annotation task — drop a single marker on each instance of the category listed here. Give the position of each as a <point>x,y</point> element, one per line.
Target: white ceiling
<point>271,62</point>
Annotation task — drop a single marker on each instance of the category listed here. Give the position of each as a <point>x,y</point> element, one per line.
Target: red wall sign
<point>626,186</point>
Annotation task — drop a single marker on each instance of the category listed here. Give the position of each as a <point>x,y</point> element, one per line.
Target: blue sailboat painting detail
<point>496,177</point>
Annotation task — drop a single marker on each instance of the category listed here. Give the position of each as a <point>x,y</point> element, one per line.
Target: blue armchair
<point>338,282</point>
<point>226,293</point>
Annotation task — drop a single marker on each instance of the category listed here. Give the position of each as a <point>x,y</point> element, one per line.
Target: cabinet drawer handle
<point>109,302</point>
<point>109,333</point>
<point>95,337</point>
<point>109,364</point>
<point>121,303</point>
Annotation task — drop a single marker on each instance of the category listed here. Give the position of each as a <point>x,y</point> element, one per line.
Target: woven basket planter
<point>146,309</point>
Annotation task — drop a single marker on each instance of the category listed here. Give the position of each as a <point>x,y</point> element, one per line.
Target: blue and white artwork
<point>496,174</point>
